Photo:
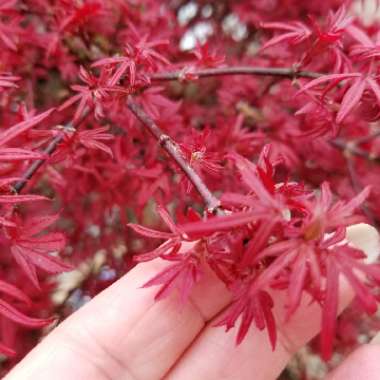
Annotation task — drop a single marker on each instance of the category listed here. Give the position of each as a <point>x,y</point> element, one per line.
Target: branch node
<point>170,146</point>
<point>163,139</point>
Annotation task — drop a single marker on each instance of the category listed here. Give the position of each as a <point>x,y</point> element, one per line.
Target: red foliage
<point>266,125</point>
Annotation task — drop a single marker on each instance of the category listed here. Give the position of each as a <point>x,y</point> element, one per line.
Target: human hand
<point>124,334</point>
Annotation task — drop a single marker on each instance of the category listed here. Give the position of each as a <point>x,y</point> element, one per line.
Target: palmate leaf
<point>32,248</point>
<point>53,241</point>
<point>92,139</point>
<point>14,292</point>
<point>36,224</point>
<point>167,249</point>
<point>12,314</point>
<point>16,154</point>
<point>9,312</point>
<point>12,199</point>
<point>337,78</point>
<point>22,127</point>
<point>29,259</point>
<point>351,99</point>
<point>249,307</point>
<point>181,276</point>
<point>296,32</point>
<point>222,223</point>
<point>26,266</point>
<point>352,96</point>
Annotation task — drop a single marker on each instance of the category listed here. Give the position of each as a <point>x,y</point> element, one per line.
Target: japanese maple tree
<point>240,137</point>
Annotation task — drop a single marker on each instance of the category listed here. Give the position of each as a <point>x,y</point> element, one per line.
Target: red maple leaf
<point>33,249</point>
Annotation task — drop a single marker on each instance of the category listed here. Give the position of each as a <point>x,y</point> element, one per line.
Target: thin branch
<point>351,148</point>
<point>238,70</point>
<point>32,169</point>
<point>174,152</point>
<point>48,151</point>
<point>364,139</point>
<point>170,147</point>
<point>165,141</point>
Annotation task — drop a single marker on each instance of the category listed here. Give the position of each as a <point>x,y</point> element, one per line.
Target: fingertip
<point>366,238</point>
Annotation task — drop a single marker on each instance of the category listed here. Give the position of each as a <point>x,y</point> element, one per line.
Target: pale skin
<point>124,334</point>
